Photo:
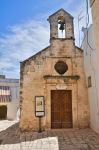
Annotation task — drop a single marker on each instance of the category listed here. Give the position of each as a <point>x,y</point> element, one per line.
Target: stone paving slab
<point>4,124</point>
<point>66,139</point>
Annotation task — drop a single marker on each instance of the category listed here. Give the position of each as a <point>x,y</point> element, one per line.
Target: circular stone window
<point>61,67</point>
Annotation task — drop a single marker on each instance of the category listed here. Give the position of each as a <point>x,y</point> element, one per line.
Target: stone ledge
<point>62,39</point>
<point>75,77</point>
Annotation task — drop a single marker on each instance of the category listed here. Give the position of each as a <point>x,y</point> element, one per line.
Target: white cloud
<point>23,41</point>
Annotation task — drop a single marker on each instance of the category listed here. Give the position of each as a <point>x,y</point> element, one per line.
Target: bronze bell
<point>62,23</point>
<point>61,26</point>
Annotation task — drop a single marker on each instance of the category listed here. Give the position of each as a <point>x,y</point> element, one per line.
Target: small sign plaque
<point>61,87</point>
<point>39,106</point>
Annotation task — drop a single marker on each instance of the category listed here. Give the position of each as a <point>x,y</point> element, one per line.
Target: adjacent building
<point>90,45</point>
<point>53,84</point>
<point>9,98</point>
<point>95,17</point>
<point>90,61</point>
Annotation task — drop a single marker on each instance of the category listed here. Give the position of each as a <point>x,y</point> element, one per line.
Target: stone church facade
<point>57,74</point>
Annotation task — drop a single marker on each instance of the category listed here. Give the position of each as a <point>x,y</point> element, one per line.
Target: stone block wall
<point>33,84</point>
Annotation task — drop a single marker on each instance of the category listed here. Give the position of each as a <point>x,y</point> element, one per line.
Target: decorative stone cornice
<point>73,77</point>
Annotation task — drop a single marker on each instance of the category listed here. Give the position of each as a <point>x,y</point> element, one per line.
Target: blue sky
<point>17,11</point>
<point>23,23</point>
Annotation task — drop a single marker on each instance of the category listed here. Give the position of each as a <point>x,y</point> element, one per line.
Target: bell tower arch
<point>61,25</point>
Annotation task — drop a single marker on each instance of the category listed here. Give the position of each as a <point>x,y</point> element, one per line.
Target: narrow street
<point>67,139</point>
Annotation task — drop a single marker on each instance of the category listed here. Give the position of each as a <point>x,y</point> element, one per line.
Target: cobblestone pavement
<point>67,139</point>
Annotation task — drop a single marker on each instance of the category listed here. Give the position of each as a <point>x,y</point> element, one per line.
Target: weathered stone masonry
<point>39,77</point>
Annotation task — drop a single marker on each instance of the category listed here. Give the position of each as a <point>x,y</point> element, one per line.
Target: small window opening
<point>89,82</point>
<point>61,27</point>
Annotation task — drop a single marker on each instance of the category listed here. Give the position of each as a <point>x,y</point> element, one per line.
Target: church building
<point>53,89</point>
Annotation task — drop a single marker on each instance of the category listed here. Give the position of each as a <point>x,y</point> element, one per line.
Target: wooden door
<point>3,112</point>
<point>61,109</point>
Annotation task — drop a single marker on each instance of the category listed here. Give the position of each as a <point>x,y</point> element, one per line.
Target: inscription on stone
<point>61,87</point>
